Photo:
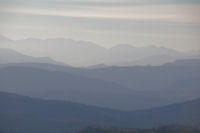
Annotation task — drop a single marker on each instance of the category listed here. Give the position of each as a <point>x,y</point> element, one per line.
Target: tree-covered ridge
<point>163,129</point>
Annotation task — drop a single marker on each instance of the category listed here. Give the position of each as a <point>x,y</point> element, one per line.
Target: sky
<point>166,23</point>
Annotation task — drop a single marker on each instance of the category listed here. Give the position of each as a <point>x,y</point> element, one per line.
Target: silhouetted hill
<point>165,84</point>
<point>144,77</point>
<point>24,114</point>
<point>45,66</point>
<point>164,129</point>
<point>146,86</point>
<point>65,86</point>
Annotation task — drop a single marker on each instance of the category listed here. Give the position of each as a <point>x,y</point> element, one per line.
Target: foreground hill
<point>24,114</point>
<point>164,129</point>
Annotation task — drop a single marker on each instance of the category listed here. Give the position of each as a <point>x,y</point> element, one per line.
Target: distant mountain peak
<point>123,46</point>
<point>4,38</point>
<point>32,39</point>
<point>12,56</point>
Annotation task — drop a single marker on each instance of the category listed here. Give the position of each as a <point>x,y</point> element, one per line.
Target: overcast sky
<point>169,23</point>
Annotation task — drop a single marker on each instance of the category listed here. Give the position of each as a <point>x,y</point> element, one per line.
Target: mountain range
<point>43,95</point>
<point>124,88</point>
<point>84,53</point>
<point>25,114</point>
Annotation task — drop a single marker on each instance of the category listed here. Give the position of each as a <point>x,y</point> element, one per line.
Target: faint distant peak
<point>8,51</point>
<point>62,40</point>
<point>12,56</point>
<point>184,62</point>
<point>123,46</point>
<point>128,46</point>
<point>59,39</point>
<point>32,39</point>
<point>154,47</point>
<point>4,38</point>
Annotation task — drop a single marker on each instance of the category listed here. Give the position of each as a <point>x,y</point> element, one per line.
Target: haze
<point>171,23</point>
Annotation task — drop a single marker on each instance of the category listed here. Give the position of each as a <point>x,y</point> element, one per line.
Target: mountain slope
<point>11,56</point>
<point>145,77</point>
<point>25,114</point>
<point>163,129</point>
<point>65,86</point>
